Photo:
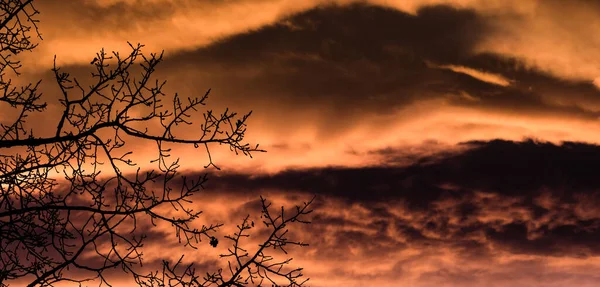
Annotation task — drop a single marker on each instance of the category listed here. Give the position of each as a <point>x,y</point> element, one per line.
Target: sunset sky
<point>449,143</point>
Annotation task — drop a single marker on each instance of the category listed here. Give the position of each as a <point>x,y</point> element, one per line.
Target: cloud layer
<point>501,213</point>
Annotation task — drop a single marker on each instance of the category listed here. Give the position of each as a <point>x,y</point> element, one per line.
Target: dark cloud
<point>350,62</point>
<point>523,168</point>
<point>355,55</point>
<point>504,167</point>
<point>454,197</point>
<point>355,32</point>
<point>576,240</point>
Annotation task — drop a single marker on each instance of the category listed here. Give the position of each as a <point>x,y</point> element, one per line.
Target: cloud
<point>477,74</point>
<point>460,219</point>
<point>530,190</point>
<point>327,85</point>
<point>307,77</point>
<point>464,218</point>
<point>563,48</point>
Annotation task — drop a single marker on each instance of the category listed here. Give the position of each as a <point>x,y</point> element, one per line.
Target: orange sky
<point>343,87</point>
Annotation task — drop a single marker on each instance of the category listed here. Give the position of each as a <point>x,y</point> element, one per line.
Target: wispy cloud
<point>487,77</point>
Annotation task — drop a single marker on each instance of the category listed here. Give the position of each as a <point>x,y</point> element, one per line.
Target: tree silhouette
<point>71,197</point>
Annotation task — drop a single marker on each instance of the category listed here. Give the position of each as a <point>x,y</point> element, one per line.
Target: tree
<point>73,190</point>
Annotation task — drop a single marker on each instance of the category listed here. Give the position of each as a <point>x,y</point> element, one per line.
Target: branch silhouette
<point>244,269</point>
<point>71,197</point>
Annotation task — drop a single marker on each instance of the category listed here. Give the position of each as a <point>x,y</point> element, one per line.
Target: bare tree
<point>71,197</point>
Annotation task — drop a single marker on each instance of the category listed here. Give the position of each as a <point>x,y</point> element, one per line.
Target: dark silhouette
<point>70,209</point>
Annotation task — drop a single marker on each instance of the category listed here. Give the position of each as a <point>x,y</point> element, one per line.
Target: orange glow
<point>328,97</point>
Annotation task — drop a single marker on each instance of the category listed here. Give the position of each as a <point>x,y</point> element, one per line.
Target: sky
<point>449,143</point>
